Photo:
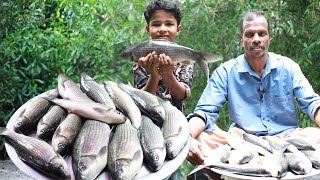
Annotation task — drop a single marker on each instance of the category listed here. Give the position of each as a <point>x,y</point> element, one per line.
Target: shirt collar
<point>272,63</point>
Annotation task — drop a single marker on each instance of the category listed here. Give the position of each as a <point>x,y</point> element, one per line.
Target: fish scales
<point>90,150</point>
<point>314,157</point>
<point>95,91</point>
<point>31,113</point>
<point>148,103</point>
<point>68,89</point>
<point>92,110</point>
<point>176,52</point>
<point>152,143</point>
<point>125,156</point>
<point>50,121</point>
<point>298,163</point>
<point>124,102</point>
<point>38,154</point>
<point>66,133</point>
<point>175,129</point>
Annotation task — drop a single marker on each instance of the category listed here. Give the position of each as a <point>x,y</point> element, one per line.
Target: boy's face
<point>163,25</point>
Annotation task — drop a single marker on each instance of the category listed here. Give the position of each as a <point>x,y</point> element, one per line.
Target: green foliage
<point>40,38</point>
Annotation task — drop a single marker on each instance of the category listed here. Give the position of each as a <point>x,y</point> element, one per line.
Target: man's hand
<point>195,155</point>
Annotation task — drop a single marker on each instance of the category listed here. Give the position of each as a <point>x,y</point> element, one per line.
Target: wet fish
<point>176,52</point>
<point>257,141</point>
<point>124,103</point>
<point>301,144</point>
<point>66,133</point>
<point>314,157</point>
<point>68,89</point>
<point>175,129</point>
<point>152,143</point>
<point>95,91</point>
<point>238,143</point>
<point>220,154</point>
<point>92,110</point>
<point>30,114</point>
<point>147,103</point>
<point>298,163</point>
<point>50,121</point>
<point>278,142</point>
<point>37,153</point>
<point>90,150</point>
<point>125,156</point>
<point>240,156</point>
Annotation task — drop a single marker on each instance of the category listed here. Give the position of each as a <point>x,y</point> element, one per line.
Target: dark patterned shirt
<point>183,73</point>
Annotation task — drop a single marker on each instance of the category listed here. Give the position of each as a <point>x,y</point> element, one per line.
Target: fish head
<point>122,169</point>
<point>59,168</point>
<point>61,145</point>
<point>127,54</point>
<point>155,158</point>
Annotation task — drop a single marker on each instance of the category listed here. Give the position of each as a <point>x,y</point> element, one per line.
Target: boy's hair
<point>165,5</point>
<point>251,15</point>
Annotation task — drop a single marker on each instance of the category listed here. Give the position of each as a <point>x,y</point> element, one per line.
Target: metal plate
<point>166,170</point>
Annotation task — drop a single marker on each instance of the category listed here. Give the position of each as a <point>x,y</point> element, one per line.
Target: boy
<point>156,73</point>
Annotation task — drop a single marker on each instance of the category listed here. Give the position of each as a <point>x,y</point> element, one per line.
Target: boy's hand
<point>149,63</point>
<point>165,65</point>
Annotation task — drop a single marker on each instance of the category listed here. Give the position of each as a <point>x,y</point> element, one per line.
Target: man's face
<point>163,25</point>
<point>255,38</point>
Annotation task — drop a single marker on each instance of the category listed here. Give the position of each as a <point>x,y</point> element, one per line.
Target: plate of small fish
<point>88,131</point>
<point>267,157</point>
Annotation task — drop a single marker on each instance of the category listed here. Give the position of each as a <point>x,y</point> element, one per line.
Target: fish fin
<point>198,168</point>
<point>209,57</point>
<point>204,66</point>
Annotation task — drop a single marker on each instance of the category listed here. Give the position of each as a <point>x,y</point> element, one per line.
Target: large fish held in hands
<point>176,52</point>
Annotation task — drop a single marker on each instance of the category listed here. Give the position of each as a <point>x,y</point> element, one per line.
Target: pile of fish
<point>109,126</point>
<point>265,156</point>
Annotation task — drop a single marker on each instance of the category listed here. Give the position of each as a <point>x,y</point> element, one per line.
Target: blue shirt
<point>260,106</point>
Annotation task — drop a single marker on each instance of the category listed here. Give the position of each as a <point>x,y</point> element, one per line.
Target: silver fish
<point>279,142</point>
<point>38,154</point>
<point>298,163</point>
<point>124,103</point>
<point>31,113</point>
<point>50,121</point>
<point>148,103</point>
<point>125,156</point>
<point>68,89</point>
<point>66,133</point>
<point>238,143</point>
<point>217,155</point>
<point>257,141</point>
<point>175,129</point>
<point>301,144</point>
<point>314,157</point>
<point>90,150</point>
<point>95,91</point>
<point>176,52</point>
<point>92,110</point>
<point>240,156</point>
<point>152,143</point>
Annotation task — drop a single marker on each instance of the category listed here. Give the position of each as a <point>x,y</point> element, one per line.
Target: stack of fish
<point>267,156</point>
<point>109,125</point>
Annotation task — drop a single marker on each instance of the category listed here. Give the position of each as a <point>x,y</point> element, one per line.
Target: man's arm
<point>317,117</point>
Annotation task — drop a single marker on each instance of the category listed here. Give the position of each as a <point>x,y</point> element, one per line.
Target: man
<point>261,88</point>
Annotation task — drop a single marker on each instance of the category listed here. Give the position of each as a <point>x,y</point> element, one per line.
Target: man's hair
<point>251,15</point>
<point>165,5</point>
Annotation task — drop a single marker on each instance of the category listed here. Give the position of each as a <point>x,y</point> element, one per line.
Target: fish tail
<point>209,57</point>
